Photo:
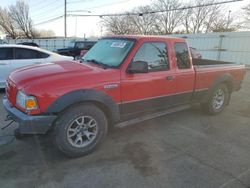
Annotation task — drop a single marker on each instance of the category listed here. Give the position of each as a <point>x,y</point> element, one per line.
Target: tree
<point>211,18</point>
<point>20,15</point>
<point>16,22</point>
<point>130,24</point>
<point>168,21</point>
<point>170,16</point>
<point>246,12</point>
<point>200,18</point>
<point>118,25</point>
<point>225,23</point>
<point>197,19</point>
<point>144,22</point>
<point>7,25</point>
<point>138,23</point>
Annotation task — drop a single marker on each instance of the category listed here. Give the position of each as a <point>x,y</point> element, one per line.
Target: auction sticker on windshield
<point>118,44</point>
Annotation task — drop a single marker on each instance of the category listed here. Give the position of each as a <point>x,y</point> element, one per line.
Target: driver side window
<point>155,54</point>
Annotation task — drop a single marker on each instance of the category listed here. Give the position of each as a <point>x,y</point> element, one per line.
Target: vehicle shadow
<point>121,145</point>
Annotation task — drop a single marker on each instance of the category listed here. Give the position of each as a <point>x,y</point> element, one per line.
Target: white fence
<point>233,46</point>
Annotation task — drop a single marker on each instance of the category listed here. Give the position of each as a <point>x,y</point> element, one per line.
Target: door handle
<point>38,63</point>
<point>169,78</point>
<point>3,63</point>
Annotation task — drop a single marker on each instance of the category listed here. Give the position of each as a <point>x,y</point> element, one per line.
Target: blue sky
<point>43,10</point>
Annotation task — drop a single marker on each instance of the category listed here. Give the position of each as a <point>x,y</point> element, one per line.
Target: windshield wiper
<point>103,65</point>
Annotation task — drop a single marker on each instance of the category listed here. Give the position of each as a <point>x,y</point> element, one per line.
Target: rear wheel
<point>217,100</point>
<point>80,130</point>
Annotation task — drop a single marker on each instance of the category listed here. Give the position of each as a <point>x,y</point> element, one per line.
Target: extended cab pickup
<point>120,81</point>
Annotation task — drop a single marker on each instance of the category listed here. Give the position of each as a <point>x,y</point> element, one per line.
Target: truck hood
<point>50,74</point>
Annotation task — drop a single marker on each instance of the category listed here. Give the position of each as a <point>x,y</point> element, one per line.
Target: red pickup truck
<point>121,80</point>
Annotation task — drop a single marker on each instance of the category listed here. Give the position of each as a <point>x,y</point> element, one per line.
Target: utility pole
<point>65,18</point>
<point>228,18</point>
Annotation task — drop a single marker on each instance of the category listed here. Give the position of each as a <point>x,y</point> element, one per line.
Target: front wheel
<point>217,100</point>
<point>80,130</point>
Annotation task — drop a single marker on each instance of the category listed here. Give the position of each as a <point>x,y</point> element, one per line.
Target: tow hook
<point>8,118</point>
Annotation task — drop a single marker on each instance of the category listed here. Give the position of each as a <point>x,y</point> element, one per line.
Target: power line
<point>48,17</point>
<point>48,9</point>
<point>157,11</point>
<point>107,4</point>
<point>78,1</point>
<point>45,16</point>
<point>50,20</point>
<point>140,13</point>
<point>46,5</point>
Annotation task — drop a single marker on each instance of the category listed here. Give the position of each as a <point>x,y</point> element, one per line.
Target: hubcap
<point>218,99</point>
<point>82,131</point>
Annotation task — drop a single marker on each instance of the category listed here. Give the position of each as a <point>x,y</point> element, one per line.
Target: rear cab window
<point>182,55</point>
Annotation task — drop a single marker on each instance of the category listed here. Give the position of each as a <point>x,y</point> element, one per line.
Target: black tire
<point>70,118</point>
<point>210,107</point>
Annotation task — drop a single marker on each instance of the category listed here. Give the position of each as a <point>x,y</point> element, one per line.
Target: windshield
<point>110,52</point>
<point>71,45</point>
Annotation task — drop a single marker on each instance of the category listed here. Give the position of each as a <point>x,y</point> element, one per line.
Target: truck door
<point>6,56</point>
<point>151,91</point>
<point>184,75</point>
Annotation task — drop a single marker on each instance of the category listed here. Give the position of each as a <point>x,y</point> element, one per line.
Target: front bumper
<point>29,124</point>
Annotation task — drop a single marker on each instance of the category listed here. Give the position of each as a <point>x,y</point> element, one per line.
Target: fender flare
<point>87,95</point>
<point>225,78</point>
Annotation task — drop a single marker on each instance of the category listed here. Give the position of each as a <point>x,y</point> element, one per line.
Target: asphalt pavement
<point>187,149</point>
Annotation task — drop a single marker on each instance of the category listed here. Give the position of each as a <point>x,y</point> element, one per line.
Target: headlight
<point>26,102</point>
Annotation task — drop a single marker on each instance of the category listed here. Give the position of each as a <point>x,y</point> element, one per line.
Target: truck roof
<point>138,37</point>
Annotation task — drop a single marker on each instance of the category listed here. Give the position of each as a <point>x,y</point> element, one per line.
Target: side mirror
<point>138,67</point>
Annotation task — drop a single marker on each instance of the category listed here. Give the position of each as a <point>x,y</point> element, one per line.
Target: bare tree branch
<point>144,23</point>
<point>117,25</point>
<point>202,18</point>
<point>20,15</point>
<point>6,24</point>
<point>168,21</point>
<point>246,10</point>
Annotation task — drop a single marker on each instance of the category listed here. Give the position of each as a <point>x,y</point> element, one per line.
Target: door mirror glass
<point>138,67</point>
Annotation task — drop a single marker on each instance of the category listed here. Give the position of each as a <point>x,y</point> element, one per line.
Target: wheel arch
<point>78,97</point>
<point>226,79</point>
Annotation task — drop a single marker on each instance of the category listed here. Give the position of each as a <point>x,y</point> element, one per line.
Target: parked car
<point>75,47</point>
<point>82,53</point>
<point>16,56</point>
<point>195,53</point>
<point>122,80</point>
<point>29,44</point>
